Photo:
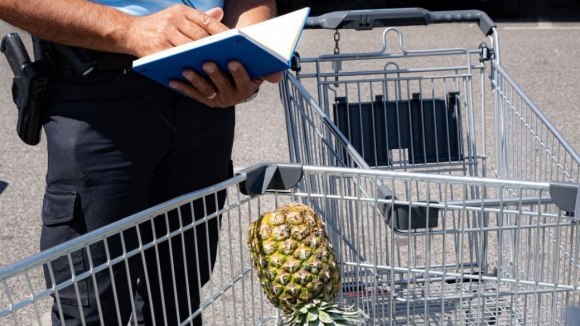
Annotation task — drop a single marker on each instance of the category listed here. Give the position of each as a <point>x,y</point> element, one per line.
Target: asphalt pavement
<point>539,50</point>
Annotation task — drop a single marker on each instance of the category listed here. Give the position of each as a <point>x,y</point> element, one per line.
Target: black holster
<point>31,79</point>
<point>29,88</point>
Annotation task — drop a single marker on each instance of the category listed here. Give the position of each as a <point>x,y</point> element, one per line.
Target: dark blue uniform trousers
<point>118,144</point>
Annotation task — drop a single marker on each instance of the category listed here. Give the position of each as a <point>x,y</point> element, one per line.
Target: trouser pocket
<point>62,221</point>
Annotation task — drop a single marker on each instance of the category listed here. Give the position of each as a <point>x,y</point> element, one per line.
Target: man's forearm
<point>71,22</point>
<point>88,25</point>
<point>240,13</point>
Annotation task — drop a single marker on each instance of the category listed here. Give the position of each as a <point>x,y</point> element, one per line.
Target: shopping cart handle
<point>369,19</point>
<point>270,176</point>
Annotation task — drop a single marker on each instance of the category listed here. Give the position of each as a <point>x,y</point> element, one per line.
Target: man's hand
<point>221,91</point>
<point>171,27</point>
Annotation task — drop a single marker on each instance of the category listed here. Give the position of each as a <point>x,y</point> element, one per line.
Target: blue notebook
<point>264,48</point>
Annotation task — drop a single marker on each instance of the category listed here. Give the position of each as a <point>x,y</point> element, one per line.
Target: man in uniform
<point>119,143</point>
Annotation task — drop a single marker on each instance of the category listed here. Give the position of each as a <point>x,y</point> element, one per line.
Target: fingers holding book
<point>221,90</point>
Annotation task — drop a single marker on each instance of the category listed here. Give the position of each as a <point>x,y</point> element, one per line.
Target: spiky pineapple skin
<point>293,257</point>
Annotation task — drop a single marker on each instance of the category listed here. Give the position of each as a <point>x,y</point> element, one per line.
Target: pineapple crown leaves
<point>322,313</point>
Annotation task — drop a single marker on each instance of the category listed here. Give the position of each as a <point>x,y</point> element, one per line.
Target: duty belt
<point>107,61</point>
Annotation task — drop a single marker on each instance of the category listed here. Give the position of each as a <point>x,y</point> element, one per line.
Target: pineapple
<point>297,267</point>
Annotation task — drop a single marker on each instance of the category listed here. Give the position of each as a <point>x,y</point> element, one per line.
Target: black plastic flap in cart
<point>270,176</point>
<point>429,129</point>
<point>407,217</point>
<point>413,217</point>
<point>573,316</point>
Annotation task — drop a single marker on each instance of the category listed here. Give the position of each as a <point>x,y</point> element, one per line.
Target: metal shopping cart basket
<point>445,111</point>
<point>432,277</point>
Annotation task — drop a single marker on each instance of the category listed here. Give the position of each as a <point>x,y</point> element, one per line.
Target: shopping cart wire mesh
<point>427,275</point>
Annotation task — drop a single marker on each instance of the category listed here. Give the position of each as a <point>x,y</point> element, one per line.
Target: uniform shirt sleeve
<point>147,7</point>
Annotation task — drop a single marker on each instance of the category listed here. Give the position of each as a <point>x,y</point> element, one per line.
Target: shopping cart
<point>398,109</point>
<point>424,236</point>
<point>392,278</point>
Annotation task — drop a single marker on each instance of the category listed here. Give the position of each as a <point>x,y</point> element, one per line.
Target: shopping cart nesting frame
<point>434,274</point>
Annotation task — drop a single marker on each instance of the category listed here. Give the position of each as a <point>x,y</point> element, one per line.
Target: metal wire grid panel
<point>395,109</point>
<point>426,276</point>
<point>158,236</point>
<point>443,273</point>
<point>527,146</point>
